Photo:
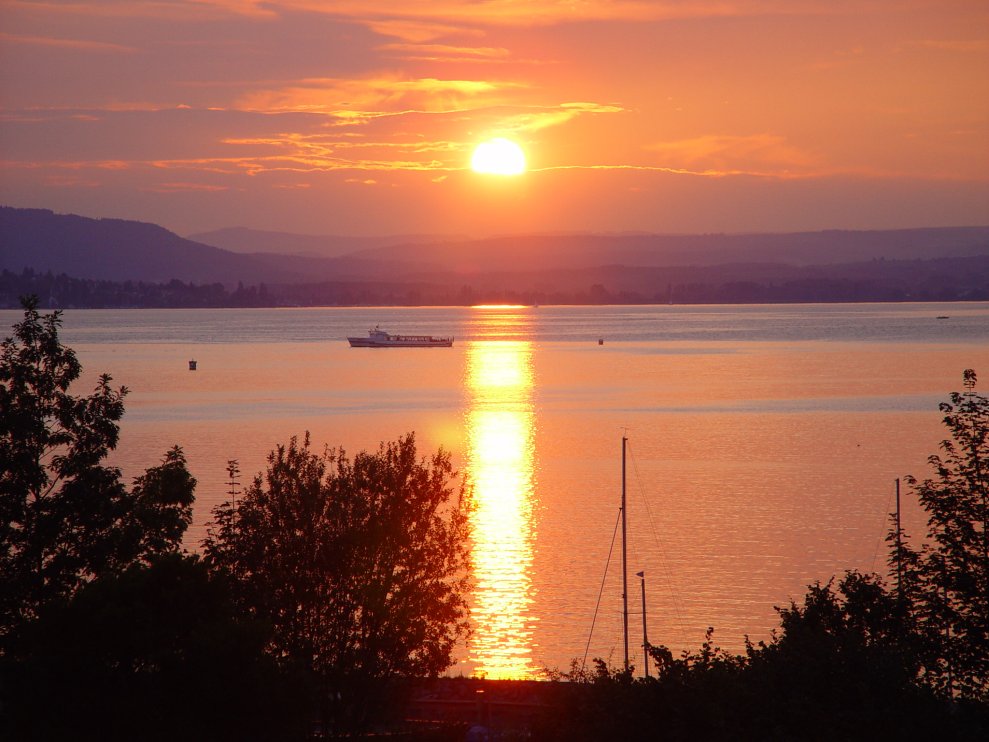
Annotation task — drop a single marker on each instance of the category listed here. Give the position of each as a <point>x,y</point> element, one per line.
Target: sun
<point>498,157</point>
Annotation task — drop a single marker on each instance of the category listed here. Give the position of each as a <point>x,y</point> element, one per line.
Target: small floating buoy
<point>600,341</point>
<point>192,365</point>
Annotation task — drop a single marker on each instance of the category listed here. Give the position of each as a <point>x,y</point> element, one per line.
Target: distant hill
<point>243,240</point>
<point>112,249</point>
<point>942,263</point>
<point>546,252</point>
<point>121,250</point>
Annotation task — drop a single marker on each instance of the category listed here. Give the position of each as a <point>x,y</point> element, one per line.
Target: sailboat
<point>623,511</point>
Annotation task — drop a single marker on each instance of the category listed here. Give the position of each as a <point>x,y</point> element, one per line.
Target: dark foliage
<point>945,587</point>
<point>158,652</point>
<point>839,668</point>
<point>106,632</point>
<point>65,516</point>
<point>854,661</point>
<point>359,566</point>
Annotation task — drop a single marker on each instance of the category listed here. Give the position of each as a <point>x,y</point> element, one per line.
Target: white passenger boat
<point>378,338</point>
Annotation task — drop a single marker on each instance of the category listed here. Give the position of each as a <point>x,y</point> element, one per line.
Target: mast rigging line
<point>884,528</point>
<point>604,579</point>
<point>662,546</point>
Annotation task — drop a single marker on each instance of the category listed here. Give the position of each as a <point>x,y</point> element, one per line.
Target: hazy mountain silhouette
<point>244,240</point>
<point>899,262</point>
<point>546,252</point>
<point>122,250</point>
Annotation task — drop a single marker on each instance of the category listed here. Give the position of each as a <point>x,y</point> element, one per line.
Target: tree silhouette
<point>946,580</point>
<point>65,516</point>
<point>360,566</point>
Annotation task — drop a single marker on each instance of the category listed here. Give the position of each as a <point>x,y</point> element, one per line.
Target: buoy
<point>192,365</point>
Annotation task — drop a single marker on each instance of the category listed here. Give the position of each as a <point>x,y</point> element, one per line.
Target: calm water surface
<point>763,441</point>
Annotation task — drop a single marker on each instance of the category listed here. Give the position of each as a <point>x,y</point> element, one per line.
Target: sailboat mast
<point>645,635</point>
<point>899,547</point>
<point>624,561</point>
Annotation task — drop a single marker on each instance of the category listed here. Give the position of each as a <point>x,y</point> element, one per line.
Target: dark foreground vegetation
<point>857,659</point>
<point>334,587</point>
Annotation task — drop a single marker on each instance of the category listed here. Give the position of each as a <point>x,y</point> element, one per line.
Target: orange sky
<point>360,117</point>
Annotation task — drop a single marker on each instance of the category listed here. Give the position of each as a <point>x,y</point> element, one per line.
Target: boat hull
<point>365,343</point>
<point>379,339</point>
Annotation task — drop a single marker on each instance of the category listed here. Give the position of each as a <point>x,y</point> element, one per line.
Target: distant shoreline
<point>65,292</point>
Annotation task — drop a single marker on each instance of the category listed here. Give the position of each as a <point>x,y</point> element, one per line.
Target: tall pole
<point>645,636</point>
<point>899,552</point>
<point>624,561</point>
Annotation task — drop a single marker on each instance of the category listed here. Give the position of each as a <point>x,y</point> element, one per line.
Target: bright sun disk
<point>498,157</point>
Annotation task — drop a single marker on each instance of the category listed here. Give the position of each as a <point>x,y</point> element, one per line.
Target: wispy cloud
<point>59,180</point>
<point>383,93</point>
<point>420,32</point>
<point>446,53</point>
<point>65,165</point>
<point>549,116</point>
<point>148,9</point>
<point>180,187</point>
<point>422,20</point>
<point>83,45</point>
<point>383,141</point>
<point>514,12</point>
<point>729,154</point>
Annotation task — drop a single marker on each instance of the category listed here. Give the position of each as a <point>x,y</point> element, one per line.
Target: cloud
<point>353,98</point>
<point>536,120</point>
<point>296,161</point>
<point>65,165</point>
<point>419,32</point>
<point>423,17</point>
<point>446,52</point>
<point>82,45</point>
<point>237,143</point>
<point>762,154</point>
<point>425,20</point>
<point>195,10</point>
<point>57,180</point>
<point>180,187</point>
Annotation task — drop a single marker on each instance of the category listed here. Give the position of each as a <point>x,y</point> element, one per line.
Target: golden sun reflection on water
<point>500,431</point>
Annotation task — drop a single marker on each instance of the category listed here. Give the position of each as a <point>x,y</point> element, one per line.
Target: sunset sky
<point>361,117</point>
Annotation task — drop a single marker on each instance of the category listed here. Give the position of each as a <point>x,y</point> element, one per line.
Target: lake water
<point>764,441</point>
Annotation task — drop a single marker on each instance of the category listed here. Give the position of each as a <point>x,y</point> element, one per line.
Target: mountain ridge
<point>896,263</point>
<point>246,240</point>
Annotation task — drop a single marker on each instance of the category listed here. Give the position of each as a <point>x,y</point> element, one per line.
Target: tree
<point>946,580</point>
<point>65,516</point>
<point>360,566</point>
